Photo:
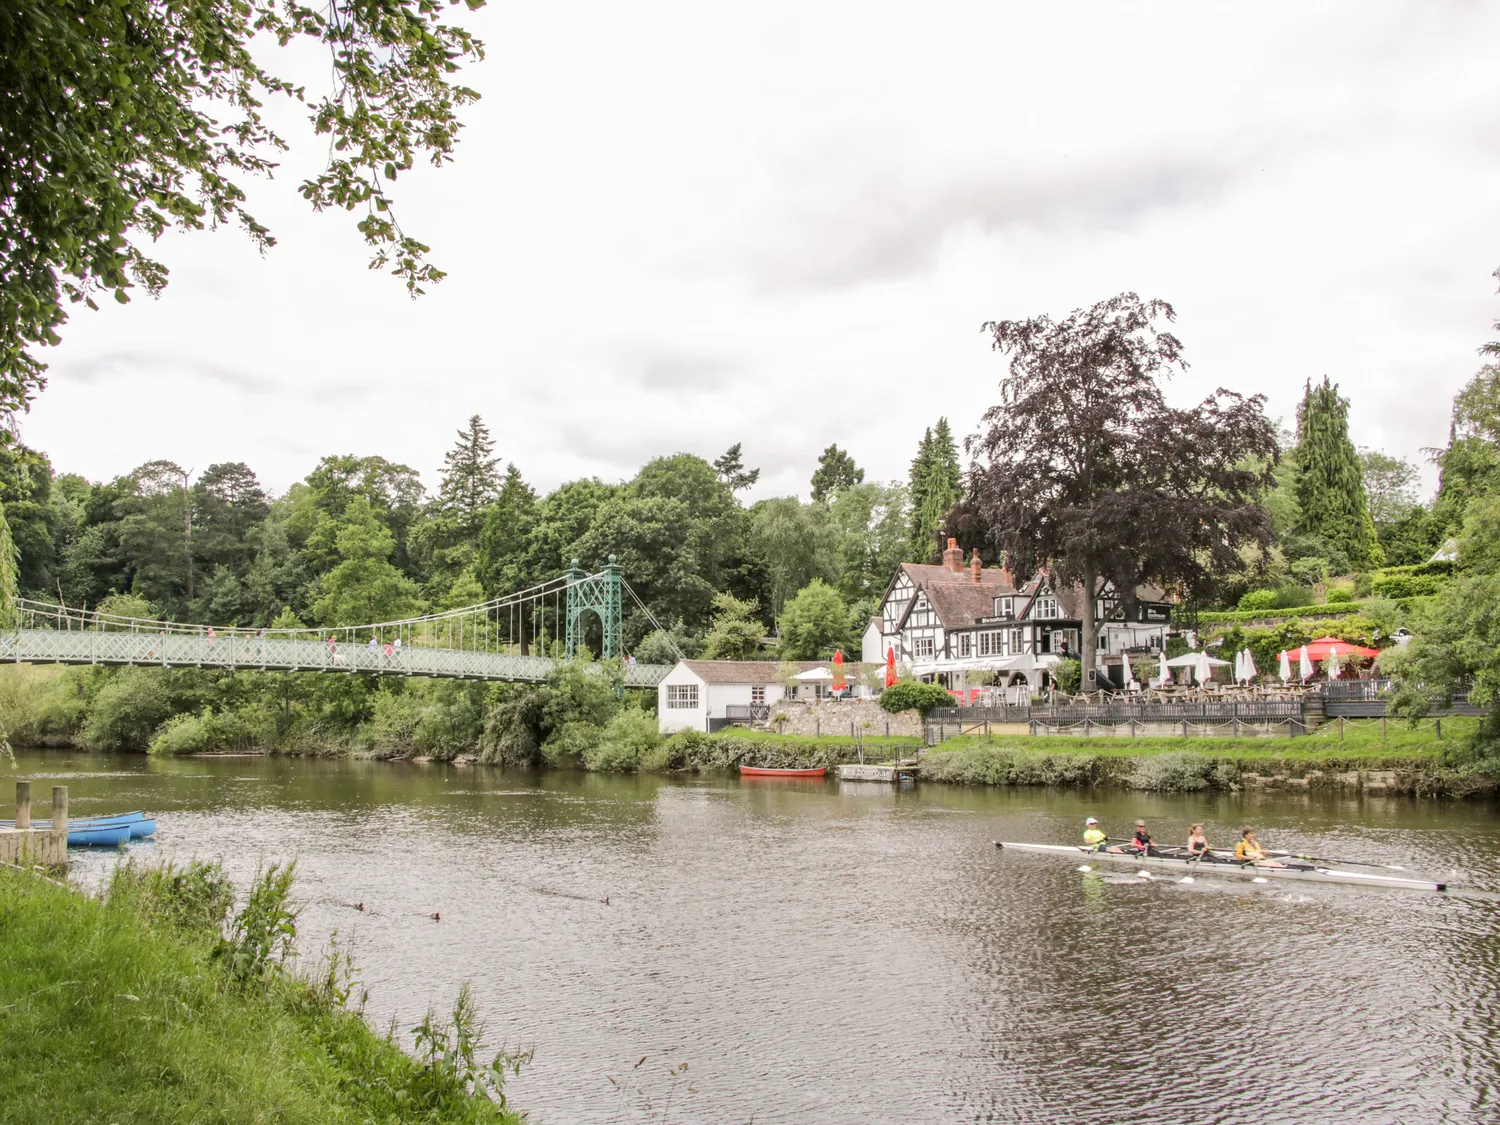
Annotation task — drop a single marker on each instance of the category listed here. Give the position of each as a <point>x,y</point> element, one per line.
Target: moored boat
<point>1221,864</point>
<point>760,771</point>
<point>140,824</point>
<point>107,836</point>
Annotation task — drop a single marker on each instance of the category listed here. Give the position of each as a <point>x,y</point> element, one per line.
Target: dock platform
<point>890,773</point>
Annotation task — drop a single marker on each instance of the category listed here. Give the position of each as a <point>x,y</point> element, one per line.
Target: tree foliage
<point>1082,453</point>
<point>1331,500</point>
<point>836,470</point>
<point>815,623</point>
<point>730,465</point>
<point>736,632</point>
<point>126,119</point>
<point>935,488</point>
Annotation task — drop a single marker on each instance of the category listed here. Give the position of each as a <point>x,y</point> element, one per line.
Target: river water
<point>712,950</point>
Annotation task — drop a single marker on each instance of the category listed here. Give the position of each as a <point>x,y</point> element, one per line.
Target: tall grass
<point>150,1004</point>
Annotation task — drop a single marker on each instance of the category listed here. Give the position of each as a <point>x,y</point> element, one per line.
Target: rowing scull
<point>1219,866</point>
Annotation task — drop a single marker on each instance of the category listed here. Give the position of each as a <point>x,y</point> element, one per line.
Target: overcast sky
<point>674,226</point>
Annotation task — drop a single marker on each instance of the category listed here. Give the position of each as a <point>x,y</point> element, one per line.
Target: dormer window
<point>1046,609</point>
<point>1005,607</point>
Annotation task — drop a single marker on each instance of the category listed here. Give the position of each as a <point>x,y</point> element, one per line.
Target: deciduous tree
<point>1083,470</point>
<point>126,119</point>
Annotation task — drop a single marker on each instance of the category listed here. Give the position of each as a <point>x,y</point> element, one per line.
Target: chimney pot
<point>953,557</point>
<point>976,569</point>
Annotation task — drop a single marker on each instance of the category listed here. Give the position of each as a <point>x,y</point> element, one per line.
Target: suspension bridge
<point>519,638</point>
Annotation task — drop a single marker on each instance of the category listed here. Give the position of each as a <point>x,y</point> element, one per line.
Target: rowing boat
<point>139,824</point>
<point>1220,865</point>
<point>759,771</point>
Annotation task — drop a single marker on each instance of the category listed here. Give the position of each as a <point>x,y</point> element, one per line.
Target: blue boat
<point>139,824</point>
<point>99,837</point>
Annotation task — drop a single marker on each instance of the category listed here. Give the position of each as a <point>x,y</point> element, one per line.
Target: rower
<point>1093,836</point>
<point>1197,845</point>
<point>1141,841</point>
<point>1249,851</point>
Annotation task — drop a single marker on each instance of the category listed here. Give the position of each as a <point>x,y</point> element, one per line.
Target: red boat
<point>757,771</point>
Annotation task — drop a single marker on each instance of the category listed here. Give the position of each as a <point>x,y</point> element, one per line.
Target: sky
<point>672,227</point>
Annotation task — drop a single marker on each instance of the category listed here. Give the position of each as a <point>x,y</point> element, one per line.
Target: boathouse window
<point>965,644</point>
<point>1015,642</point>
<point>990,643</point>
<point>922,646</point>
<point>682,697</point>
<point>1046,609</point>
<point>758,695</point>
<point>1004,607</point>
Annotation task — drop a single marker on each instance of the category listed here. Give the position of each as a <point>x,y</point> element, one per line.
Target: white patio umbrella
<point>1126,676</point>
<point>1286,667</point>
<point>1305,666</point>
<point>814,674</point>
<point>1250,670</point>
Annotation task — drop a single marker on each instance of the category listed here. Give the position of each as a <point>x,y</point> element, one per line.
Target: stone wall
<point>833,717</point>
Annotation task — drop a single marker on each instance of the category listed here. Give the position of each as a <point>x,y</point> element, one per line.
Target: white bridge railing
<point>240,651</point>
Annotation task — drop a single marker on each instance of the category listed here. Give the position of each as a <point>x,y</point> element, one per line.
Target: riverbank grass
<point>132,1008</point>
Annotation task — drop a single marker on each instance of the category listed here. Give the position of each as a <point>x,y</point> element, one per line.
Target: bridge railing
<point>242,650</point>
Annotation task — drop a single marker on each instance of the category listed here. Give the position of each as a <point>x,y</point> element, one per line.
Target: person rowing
<point>1197,845</point>
<point>1249,851</point>
<point>1141,842</point>
<point>1093,836</point>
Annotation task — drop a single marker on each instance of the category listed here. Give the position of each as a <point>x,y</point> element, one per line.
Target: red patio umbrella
<point>1324,647</point>
<point>838,670</point>
<point>890,667</point>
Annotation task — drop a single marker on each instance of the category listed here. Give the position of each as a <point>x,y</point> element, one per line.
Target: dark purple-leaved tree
<point>1083,470</point>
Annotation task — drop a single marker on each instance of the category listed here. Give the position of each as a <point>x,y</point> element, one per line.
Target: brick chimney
<point>953,557</point>
<point>1006,577</point>
<point>976,571</point>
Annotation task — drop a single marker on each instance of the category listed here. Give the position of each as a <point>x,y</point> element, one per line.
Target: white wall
<point>871,649</point>
<point>673,719</point>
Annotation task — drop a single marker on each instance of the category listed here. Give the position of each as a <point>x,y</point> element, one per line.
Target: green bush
<point>1069,675</point>
<point>913,694</point>
<point>203,733</point>
<point>1389,585</point>
<point>571,744</point>
<point>630,736</point>
<point>1182,773</point>
<point>1339,595</point>
<point>1257,600</point>
<point>127,711</point>
<point>1183,615</point>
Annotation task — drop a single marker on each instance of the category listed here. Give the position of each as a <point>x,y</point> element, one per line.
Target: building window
<point>1015,642</point>
<point>965,645</point>
<point>1046,609</point>
<point>682,697</point>
<point>922,646</point>
<point>990,643</point>
<point>758,695</point>
<point>1004,607</point>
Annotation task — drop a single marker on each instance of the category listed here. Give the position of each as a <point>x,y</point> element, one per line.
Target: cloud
<point>655,366</point>
<point>114,365</point>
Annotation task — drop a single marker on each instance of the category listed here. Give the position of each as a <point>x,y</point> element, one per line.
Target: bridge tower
<point>602,594</point>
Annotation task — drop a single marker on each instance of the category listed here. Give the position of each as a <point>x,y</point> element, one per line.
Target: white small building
<point>700,694</point>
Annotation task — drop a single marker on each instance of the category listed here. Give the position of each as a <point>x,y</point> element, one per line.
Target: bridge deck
<point>283,654</point>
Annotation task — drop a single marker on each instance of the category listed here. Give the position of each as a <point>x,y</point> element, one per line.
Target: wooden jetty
<point>23,845</point>
<point>891,773</point>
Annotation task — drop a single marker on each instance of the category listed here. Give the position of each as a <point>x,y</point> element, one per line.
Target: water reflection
<point>818,952</point>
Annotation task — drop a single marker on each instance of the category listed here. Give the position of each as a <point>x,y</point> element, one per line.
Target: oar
<point>1339,862</point>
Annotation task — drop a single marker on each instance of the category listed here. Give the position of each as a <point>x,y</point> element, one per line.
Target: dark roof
<point>762,671</point>
<point>925,575</point>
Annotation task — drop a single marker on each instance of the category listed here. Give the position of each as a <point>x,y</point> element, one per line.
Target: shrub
<point>630,736</point>
<point>913,694</point>
<point>1405,585</point>
<point>571,743</point>
<point>1068,674</point>
<point>1257,600</point>
<point>127,711</point>
<point>201,733</point>
<point>1182,773</point>
<point>194,899</point>
<point>1340,594</point>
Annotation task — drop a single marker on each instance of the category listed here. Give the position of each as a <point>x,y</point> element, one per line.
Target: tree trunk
<point>1090,643</point>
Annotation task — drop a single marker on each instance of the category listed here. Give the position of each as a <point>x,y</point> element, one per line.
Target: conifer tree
<point>470,480</point>
<point>836,471</point>
<point>1330,481</point>
<point>935,487</point>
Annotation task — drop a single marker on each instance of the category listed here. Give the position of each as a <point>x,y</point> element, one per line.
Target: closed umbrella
<point>1204,671</point>
<point>1126,677</point>
<point>1250,670</point>
<point>838,670</point>
<point>890,667</point>
<point>1286,667</point>
<point>1305,666</point>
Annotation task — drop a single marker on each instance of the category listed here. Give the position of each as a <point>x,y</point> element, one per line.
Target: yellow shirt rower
<point>1248,851</point>
<point>1093,837</point>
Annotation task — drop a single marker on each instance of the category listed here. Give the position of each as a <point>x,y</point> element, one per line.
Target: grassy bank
<point>151,1004</point>
<point>1408,760</point>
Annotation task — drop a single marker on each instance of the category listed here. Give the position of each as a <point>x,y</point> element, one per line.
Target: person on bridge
<point>333,647</point>
<point>211,638</point>
<point>374,647</point>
